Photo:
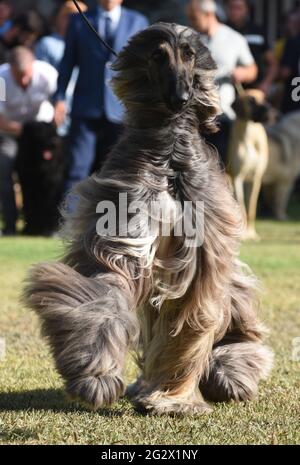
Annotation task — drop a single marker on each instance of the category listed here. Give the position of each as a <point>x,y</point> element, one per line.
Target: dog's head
<point>252,106</point>
<point>167,68</point>
<point>40,141</point>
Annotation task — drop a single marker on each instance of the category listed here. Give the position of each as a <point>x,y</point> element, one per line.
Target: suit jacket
<point>93,96</point>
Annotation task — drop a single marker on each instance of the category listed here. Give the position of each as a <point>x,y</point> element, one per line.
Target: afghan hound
<point>186,307</point>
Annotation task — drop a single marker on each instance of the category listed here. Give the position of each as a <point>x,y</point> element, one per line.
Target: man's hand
<point>60,113</point>
<point>16,129</point>
<point>244,74</point>
<point>238,75</point>
<point>10,127</point>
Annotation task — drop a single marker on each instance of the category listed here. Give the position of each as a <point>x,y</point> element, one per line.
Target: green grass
<point>33,407</point>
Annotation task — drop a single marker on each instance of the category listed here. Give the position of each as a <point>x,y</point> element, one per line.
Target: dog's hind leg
<point>89,324</point>
<point>281,196</point>
<point>239,360</point>
<point>235,371</point>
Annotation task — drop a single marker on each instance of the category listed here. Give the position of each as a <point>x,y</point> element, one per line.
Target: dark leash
<point>91,27</point>
<point>239,89</point>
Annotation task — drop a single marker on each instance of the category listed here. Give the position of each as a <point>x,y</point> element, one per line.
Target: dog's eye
<point>196,81</point>
<point>187,53</point>
<point>158,55</point>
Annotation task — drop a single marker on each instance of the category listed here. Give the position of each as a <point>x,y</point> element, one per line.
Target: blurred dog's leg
<point>252,209</point>
<point>281,196</point>
<point>239,193</point>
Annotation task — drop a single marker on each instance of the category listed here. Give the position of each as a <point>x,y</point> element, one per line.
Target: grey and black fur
<point>192,309</point>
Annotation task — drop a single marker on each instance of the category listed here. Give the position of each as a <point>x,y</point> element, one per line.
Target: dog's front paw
<point>161,404</point>
<point>96,391</point>
<point>251,235</point>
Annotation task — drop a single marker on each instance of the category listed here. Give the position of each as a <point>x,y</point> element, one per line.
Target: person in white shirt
<point>233,57</point>
<point>26,86</point>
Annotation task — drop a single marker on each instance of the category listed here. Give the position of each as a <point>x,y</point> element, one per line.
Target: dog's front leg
<point>89,323</point>
<point>239,193</point>
<point>172,367</point>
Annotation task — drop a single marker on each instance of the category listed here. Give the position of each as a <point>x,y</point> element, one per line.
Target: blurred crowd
<point>59,117</point>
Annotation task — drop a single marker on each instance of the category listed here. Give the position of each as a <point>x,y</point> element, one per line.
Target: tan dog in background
<point>248,154</point>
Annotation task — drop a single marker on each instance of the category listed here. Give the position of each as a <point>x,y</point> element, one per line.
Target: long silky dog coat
<point>192,309</point>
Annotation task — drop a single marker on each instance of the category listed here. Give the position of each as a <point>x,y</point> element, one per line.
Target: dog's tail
<point>89,325</point>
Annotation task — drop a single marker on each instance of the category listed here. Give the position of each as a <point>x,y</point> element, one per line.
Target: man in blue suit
<point>96,111</point>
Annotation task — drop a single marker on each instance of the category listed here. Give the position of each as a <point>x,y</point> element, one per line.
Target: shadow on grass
<point>17,434</point>
<point>50,400</point>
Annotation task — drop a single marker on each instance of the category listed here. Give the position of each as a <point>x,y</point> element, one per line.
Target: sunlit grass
<point>34,410</point>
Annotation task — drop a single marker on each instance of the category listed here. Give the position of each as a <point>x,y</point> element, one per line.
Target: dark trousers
<point>89,143</point>
<point>8,153</point>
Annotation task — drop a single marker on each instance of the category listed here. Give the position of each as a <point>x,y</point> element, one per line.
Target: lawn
<point>34,409</point>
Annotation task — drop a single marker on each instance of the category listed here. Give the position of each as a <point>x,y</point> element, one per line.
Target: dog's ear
<point>131,80</point>
<point>208,122</point>
<point>207,101</point>
<point>206,92</point>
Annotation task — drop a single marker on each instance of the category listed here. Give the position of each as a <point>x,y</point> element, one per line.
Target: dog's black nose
<point>183,98</point>
<point>179,100</point>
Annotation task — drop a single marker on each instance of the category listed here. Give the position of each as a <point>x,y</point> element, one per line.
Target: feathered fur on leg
<point>235,371</point>
<point>181,285</point>
<point>240,360</point>
<point>89,326</point>
<point>171,368</point>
